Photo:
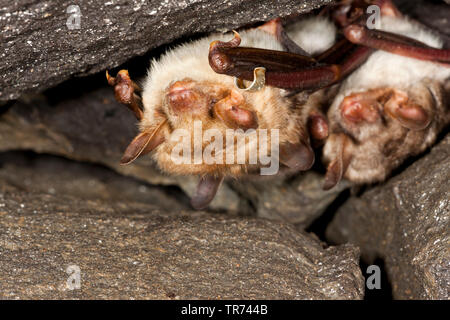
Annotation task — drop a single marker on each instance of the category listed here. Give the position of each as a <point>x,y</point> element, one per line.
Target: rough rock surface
<point>58,176</point>
<point>38,50</point>
<point>132,250</point>
<point>87,124</point>
<point>406,222</point>
<point>83,122</point>
<point>299,199</point>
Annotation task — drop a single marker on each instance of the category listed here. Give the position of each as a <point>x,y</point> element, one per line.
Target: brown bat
<point>191,84</point>
<point>181,88</point>
<point>393,105</point>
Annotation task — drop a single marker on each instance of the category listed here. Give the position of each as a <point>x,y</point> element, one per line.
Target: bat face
<point>390,105</point>
<point>391,108</point>
<point>206,125</point>
<point>225,126</point>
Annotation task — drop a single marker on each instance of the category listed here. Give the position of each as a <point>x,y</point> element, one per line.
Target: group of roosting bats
<point>368,97</point>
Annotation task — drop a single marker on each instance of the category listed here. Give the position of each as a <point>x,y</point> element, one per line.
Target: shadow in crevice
<point>385,292</point>
<point>320,225</point>
<point>33,172</point>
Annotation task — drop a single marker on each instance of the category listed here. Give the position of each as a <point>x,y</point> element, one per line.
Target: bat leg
<point>394,43</point>
<point>275,28</point>
<point>206,190</point>
<point>124,91</point>
<point>286,70</point>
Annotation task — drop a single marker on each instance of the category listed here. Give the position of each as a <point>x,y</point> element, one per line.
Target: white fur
<point>314,34</point>
<point>190,60</point>
<point>384,69</point>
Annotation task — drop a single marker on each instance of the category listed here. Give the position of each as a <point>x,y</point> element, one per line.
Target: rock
<point>299,199</point>
<point>132,250</point>
<point>83,122</point>
<point>406,222</point>
<point>43,44</point>
<point>58,176</point>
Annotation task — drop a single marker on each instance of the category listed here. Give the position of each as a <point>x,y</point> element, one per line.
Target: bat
<point>393,106</point>
<point>181,88</point>
<point>392,102</point>
<point>284,82</point>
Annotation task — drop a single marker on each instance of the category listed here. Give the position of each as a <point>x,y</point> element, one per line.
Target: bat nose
<point>182,97</point>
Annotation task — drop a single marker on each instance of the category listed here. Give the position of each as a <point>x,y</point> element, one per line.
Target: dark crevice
<point>320,225</point>
<point>385,292</point>
<point>27,158</point>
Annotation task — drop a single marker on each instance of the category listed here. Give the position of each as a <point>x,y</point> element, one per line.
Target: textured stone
<point>131,250</point>
<point>299,199</point>
<point>38,50</point>
<point>83,122</point>
<point>406,222</point>
<point>58,176</point>
<point>86,124</point>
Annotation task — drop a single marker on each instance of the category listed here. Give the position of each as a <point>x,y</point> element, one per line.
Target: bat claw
<point>259,81</point>
<point>124,91</point>
<point>235,42</point>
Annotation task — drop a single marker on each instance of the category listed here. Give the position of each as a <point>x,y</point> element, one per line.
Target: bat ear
<point>337,168</point>
<point>143,143</point>
<point>206,190</point>
<point>229,110</point>
<point>404,110</point>
<point>297,156</point>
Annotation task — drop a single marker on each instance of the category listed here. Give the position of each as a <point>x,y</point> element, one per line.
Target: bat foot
<point>124,91</point>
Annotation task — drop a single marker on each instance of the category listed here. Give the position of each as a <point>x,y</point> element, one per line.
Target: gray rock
<point>59,176</point>
<point>131,250</point>
<point>38,49</point>
<point>406,222</point>
<point>299,199</point>
<point>89,126</point>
